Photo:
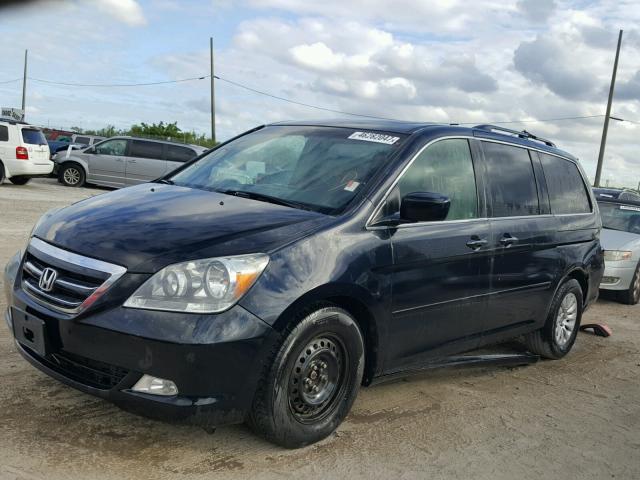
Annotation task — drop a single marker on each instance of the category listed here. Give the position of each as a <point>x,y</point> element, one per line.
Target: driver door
<point>441,269</point>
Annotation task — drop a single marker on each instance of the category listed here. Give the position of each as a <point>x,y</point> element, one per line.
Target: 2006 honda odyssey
<point>268,279</point>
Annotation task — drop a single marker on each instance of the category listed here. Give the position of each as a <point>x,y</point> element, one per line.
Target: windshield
<point>32,136</point>
<point>319,168</point>
<point>620,217</point>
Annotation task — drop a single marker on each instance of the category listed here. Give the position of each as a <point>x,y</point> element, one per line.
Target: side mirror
<point>424,207</point>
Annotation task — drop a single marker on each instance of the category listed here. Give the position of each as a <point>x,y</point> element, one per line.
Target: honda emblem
<point>48,279</point>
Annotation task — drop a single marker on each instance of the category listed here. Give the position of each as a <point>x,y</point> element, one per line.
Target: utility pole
<point>24,84</point>
<point>605,129</point>
<point>213,98</point>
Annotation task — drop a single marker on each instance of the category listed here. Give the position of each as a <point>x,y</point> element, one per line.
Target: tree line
<point>160,131</point>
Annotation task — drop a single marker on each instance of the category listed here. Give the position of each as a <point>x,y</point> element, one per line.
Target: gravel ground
<point>575,418</point>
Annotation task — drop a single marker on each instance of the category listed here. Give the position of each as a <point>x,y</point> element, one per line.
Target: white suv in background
<point>24,152</point>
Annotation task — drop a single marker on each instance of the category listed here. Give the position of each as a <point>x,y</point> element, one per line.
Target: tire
<point>311,380</point>
<point>72,175</point>
<point>19,180</point>
<point>555,339</point>
<point>1,173</point>
<point>632,295</point>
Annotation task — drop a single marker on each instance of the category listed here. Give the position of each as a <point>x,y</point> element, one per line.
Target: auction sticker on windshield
<point>374,137</point>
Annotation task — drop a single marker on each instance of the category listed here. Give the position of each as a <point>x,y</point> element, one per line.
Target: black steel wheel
<point>311,378</point>
<point>318,379</point>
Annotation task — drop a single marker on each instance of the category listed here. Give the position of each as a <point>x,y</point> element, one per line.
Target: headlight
<point>616,255</point>
<point>210,285</point>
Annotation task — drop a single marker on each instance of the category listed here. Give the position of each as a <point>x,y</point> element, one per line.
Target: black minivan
<point>268,279</point>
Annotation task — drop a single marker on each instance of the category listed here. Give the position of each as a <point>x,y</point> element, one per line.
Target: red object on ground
<point>599,329</point>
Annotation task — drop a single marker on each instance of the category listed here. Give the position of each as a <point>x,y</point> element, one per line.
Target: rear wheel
<point>312,380</point>
<point>555,339</point>
<point>1,172</point>
<point>19,180</point>
<point>72,175</point>
<point>631,296</point>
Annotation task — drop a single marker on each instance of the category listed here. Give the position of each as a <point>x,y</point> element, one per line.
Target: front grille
<point>78,281</point>
<point>89,372</point>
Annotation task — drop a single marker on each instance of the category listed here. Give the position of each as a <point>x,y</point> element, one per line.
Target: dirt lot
<point>575,418</point>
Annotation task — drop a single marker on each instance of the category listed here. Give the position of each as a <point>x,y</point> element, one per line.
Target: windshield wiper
<point>165,181</point>
<point>265,198</point>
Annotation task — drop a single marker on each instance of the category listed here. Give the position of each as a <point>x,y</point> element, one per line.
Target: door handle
<point>475,243</point>
<point>507,240</point>
<point>118,160</point>
<point>131,161</point>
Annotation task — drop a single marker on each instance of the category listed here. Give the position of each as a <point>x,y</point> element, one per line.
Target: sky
<point>420,60</point>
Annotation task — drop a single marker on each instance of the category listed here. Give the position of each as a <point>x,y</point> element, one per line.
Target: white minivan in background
<point>24,152</point>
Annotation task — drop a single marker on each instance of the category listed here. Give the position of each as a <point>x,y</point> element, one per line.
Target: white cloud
<point>126,11</point>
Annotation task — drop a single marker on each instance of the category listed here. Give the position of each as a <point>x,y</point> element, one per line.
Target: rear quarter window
<point>180,154</point>
<point>4,133</point>
<point>33,136</point>
<point>567,191</point>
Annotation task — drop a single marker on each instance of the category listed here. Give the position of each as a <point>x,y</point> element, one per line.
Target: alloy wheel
<point>566,319</point>
<point>71,176</point>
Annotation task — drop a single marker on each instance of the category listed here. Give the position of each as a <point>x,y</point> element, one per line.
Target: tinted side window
<point>82,140</point>
<point>4,133</point>
<point>567,191</point>
<point>445,167</point>
<point>142,149</point>
<point>179,154</point>
<point>511,181</point>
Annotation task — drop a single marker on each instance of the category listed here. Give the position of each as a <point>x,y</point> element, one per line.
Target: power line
<point>51,82</point>
<point>301,103</point>
<point>558,119</point>
<point>295,102</point>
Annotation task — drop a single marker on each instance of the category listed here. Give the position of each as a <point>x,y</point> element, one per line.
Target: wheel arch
<point>357,302</point>
<point>6,171</point>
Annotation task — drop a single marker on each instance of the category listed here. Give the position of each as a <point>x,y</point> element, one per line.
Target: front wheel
<point>631,296</point>
<point>555,339</point>
<point>311,381</point>
<point>19,180</point>
<point>72,175</point>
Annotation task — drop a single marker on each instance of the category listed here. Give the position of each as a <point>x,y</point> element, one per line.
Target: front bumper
<point>618,277</point>
<point>215,360</point>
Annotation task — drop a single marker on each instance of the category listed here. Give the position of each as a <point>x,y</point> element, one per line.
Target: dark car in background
<point>622,194</point>
<point>269,279</point>
<point>122,161</point>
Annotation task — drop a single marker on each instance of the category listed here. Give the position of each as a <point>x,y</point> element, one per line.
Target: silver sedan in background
<point>620,239</point>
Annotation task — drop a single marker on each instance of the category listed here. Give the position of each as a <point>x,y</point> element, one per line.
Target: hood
<point>149,226</point>
<point>619,240</point>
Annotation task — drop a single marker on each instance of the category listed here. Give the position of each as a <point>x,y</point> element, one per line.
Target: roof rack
<point>516,133</point>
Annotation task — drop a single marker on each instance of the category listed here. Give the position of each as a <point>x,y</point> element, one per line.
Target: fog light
<point>609,280</point>
<point>155,386</point>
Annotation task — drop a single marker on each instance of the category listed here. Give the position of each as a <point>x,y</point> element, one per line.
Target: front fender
<point>72,159</point>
